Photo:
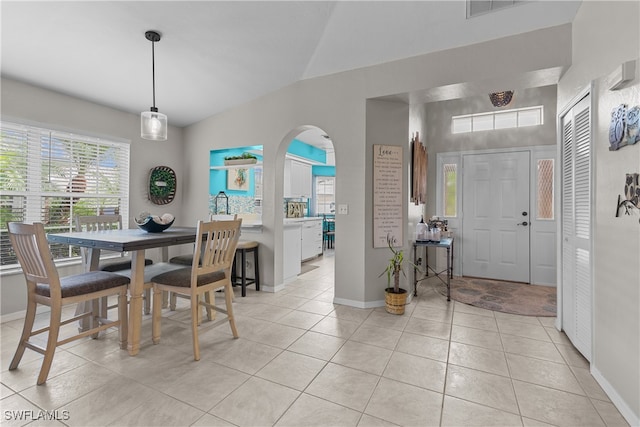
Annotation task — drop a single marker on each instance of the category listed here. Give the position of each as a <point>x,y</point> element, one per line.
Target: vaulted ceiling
<point>217,54</point>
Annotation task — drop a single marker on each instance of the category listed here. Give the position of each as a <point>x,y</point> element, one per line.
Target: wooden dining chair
<point>209,272</point>
<point>46,287</point>
<point>122,263</point>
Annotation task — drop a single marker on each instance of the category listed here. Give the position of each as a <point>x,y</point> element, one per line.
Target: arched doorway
<point>306,162</point>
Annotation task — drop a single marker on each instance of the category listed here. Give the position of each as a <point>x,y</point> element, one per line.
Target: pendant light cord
<point>153,72</point>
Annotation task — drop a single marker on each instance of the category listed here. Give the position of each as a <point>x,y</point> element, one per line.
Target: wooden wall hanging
<point>162,185</point>
<point>418,171</point>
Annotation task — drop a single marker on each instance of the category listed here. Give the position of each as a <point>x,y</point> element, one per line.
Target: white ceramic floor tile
<point>458,412</point>
<point>363,357</point>
<point>555,407</point>
<point>419,345</point>
<point>311,411</point>
<point>416,370</point>
<point>390,395</point>
<point>317,345</point>
<point>344,386</point>
<point>303,360</point>
<point>481,387</point>
<point>292,370</point>
<point>256,402</point>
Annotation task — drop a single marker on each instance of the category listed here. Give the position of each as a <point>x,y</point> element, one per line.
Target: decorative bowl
<point>150,226</point>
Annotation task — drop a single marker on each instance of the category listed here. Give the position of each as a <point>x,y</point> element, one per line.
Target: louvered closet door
<point>576,226</point>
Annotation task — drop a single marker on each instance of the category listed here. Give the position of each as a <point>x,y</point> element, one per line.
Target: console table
<point>446,243</point>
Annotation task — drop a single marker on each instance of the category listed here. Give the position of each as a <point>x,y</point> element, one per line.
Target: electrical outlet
<point>249,265</point>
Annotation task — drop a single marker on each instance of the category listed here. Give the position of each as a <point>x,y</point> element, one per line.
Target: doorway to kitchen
<point>309,177</point>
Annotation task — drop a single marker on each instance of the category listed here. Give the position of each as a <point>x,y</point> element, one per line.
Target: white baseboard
<point>628,414</point>
<point>20,314</point>
<point>268,288</point>
<point>359,304</point>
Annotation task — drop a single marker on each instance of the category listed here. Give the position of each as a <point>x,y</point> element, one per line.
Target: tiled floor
<point>303,361</point>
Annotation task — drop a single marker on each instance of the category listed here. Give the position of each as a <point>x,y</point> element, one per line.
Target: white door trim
<point>455,224</point>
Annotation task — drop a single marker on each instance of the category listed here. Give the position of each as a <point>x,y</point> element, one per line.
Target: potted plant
<point>395,297</point>
<point>243,159</point>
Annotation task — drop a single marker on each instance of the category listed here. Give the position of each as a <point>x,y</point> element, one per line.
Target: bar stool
<point>242,248</point>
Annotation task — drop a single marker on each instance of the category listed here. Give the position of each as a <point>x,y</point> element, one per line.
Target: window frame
<point>39,149</point>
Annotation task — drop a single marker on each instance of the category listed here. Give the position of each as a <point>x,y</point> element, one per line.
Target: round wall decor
<point>162,185</point>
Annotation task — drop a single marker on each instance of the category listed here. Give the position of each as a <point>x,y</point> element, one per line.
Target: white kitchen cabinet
<point>292,239</point>
<point>311,239</point>
<point>297,179</point>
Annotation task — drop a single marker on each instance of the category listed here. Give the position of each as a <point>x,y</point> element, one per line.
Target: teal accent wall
<point>317,170</point>
<point>307,151</point>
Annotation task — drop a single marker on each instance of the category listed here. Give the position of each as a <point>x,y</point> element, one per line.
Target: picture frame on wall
<point>238,179</point>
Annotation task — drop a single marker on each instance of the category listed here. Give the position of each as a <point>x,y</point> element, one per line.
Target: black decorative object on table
<point>155,224</point>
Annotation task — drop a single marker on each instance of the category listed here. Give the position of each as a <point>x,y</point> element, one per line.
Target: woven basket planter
<point>394,303</point>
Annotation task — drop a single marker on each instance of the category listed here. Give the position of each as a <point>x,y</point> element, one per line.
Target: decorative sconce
<point>501,99</point>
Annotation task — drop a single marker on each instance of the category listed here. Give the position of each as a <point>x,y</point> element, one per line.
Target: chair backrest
<point>30,244</point>
<point>218,249</point>
<point>97,223</point>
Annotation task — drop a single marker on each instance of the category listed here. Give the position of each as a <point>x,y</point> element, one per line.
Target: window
<point>506,119</point>
<point>544,191</point>
<point>50,177</point>
<point>449,189</point>
<point>325,195</point>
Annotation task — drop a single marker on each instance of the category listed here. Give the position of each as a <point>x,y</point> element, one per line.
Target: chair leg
<point>104,308</point>
<point>156,316</point>
<point>147,301</point>
<point>208,298</point>
<point>29,319</point>
<point>123,317</point>
<point>52,342</point>
<point>95,315</point>
<point>172,301</point>
<point>195,313</point>
<point>244,272</point>
<point>228,292</point>
<point>256,269</point>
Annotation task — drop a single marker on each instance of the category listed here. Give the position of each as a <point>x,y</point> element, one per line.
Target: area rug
<point>507,297</point>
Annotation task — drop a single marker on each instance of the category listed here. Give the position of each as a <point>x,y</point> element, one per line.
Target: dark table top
<point>131,239</point>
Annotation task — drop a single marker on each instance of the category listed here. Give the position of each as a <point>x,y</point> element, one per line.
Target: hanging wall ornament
<point>633,125</point>
<point>162,185</point>
<point>616,127</point>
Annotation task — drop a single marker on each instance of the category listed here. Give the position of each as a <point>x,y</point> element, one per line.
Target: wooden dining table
<point>136,242</point>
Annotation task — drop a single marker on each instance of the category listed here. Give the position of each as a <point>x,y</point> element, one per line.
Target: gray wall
<point>337,105</point>
<point>440,139</point>
<point>605,37</point>
<point>25,103</point>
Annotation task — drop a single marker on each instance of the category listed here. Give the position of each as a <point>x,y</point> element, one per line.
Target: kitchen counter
<point>300,220</point>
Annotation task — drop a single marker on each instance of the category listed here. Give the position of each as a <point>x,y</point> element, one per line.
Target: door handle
<point>525,223</point>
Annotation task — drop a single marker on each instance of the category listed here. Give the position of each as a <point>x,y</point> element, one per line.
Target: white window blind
<point>50,177</point>
<point>325,195</point>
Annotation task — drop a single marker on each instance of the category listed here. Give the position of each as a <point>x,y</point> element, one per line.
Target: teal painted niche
<point>218,177</point>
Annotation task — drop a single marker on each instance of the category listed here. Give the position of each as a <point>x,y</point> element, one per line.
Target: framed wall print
<point>238,179</point>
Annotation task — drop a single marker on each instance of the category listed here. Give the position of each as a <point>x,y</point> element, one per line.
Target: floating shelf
<point>245,166</point>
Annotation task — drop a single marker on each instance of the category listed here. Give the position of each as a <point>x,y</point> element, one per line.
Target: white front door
<point>496,216</point>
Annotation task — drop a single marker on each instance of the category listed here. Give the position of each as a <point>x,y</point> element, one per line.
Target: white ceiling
<point>217,54</point>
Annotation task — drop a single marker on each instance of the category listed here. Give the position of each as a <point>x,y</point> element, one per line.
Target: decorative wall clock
<point>162,185</point>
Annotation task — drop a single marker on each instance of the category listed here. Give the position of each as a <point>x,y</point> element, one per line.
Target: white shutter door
<point>576,227</point>
<point>568,251</point>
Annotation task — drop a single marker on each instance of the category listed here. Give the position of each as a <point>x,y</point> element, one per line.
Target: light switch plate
<point>343,209</point>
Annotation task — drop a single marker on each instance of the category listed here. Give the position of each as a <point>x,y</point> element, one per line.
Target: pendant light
<point>153,125</point>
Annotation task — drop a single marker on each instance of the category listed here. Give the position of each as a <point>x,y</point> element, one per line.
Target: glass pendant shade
<point>153,125</point>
